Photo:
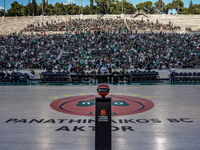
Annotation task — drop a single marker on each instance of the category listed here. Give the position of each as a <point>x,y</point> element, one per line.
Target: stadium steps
<point>15,24</point>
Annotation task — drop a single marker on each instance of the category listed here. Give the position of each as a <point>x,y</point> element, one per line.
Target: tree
<point>25,11</point>
<point>1,12</point>
<point>191,9</point>
<point>43,6</point>
<point>48,7</point>
<point>128,8</point>
<point>15,10</point>
<point>184,10</point>
<point>197,8</point>
<point>38,9</point>
<point>159,5</point>
<point>28,6</point>
<point>59,8</point>
<point>86,10</point>
<point>115,7</point>
<point>68,9</point>
<point>178,5</point>
<point>91,7</point>
<point>103,6</point>
<point>146,6</point>
<point>140,6</point>
<point>168,7</point>
<point>34,7</point>
<point>75,9</point>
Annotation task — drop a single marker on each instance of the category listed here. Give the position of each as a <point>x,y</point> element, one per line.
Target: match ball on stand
<point>103,89</point>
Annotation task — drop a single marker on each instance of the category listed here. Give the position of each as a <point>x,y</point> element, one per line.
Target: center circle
<point>85,105</point>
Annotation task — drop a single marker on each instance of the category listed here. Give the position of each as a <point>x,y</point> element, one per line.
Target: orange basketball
<point>103,89</point>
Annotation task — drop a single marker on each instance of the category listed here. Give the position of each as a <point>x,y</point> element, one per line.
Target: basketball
<point>103,89</point>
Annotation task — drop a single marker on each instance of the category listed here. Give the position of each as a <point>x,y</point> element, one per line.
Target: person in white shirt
<point>172,69</point>
<point>103,69</point>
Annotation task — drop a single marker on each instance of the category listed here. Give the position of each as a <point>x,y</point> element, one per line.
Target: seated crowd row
<point>80,25</point>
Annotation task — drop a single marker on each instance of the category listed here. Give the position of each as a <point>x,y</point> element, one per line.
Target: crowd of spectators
<point>80,25</point>
<point>88,51</point>
<point>142,25</point>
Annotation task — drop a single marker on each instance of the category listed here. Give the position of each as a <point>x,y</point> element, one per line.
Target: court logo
<point>85,105</point>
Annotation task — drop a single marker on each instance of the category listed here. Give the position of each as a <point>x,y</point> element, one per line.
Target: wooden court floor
<point>145,117</point>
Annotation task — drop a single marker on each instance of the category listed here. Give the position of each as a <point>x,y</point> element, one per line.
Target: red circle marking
<point>85,105</point>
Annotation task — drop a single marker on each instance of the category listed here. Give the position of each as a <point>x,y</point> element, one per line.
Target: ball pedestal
<point>103,119</point>
<point>103,124</point>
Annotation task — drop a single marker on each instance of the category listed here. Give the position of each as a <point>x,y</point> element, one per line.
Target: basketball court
<point>61,117</point>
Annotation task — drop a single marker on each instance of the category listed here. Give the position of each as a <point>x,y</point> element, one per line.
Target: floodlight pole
<point>81,5</point>
<point>162,6</point>
<point>122,7</point>
<point>4,9</point>
<point>42,8</point>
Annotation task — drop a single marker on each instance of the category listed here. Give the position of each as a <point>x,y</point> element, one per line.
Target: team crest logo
<point>91,102</point>
<point>85,105</point>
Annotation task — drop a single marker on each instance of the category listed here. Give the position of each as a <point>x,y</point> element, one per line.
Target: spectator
<point>6,76</point>
<point>103,69</point>
<point>1,76</point>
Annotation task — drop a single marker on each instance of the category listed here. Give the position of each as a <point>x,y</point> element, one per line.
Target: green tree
<point>197,8</point>
<point>49,7</point>
<point>91,7</point>
<point>34,7</point>
<point>74,9</point>
<point>16,9</point>
<point>38,9</point>
<point>128,8</point>
<point>191,9</point>
<point>28,6</point>
<point>103,6</point>
<point>178,5</point>
<point>24,11</point>
<point>1,12</point>
<point>140,6</point>
<point>68,9</point>
<point>115,7</point>
<point>183,10</point>
<point>43,6</point>
<point>86,10</point>
<point>146,6</point>
<point>52,12</point>
<point>159,6</point>
<point>168,7</point>
<point>59,8</point>
<point>78,9</point>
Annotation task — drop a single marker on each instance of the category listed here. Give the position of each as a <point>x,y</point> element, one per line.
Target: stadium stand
<point>88,44</point>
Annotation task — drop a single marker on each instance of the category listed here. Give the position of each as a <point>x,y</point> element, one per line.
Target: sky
<point>85,2</point>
